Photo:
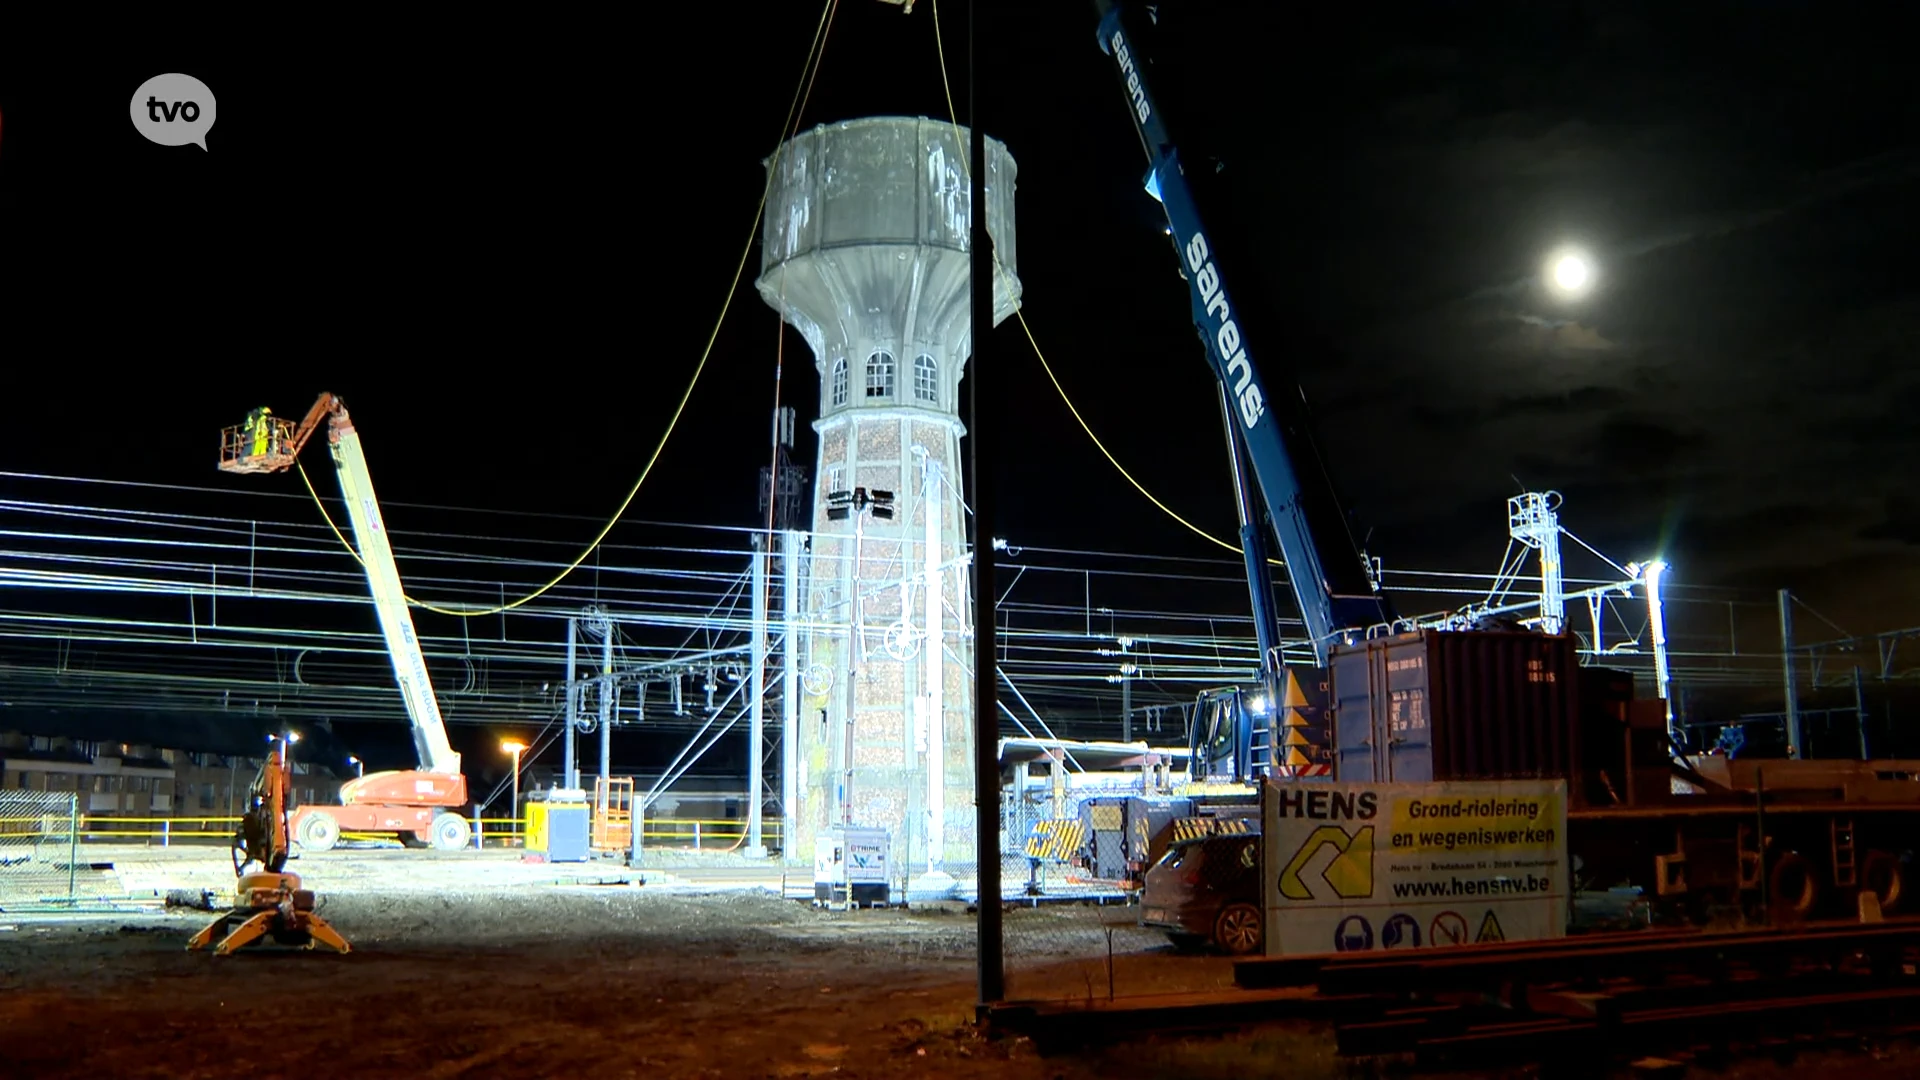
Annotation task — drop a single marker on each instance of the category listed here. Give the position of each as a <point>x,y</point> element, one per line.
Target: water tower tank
<point>866,235</point>
<point>866,253</point>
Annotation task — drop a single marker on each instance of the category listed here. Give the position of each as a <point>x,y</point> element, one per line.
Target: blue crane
<point>1338,597</point>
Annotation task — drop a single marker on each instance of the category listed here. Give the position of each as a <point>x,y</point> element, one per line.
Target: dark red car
<point>1206,891</point>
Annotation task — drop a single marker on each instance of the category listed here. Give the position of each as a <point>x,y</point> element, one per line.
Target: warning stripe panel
<point>1057,840</point>
<point>1194,828</point>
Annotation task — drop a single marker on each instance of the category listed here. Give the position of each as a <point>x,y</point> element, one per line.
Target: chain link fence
<point>39,849</point>
<point>1120,889</point>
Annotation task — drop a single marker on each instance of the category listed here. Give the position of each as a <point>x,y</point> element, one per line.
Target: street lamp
<point>1649,576</point>
<point>516,748</point>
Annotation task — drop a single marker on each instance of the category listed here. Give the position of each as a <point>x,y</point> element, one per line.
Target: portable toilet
<point>559,824</point>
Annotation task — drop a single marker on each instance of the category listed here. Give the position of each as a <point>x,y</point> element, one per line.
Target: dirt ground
<point>618,980</point>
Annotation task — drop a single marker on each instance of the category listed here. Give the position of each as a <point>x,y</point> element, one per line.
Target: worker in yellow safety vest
<point>257,432</point>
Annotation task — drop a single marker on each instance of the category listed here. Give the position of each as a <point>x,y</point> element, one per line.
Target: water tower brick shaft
<point>866,253</point>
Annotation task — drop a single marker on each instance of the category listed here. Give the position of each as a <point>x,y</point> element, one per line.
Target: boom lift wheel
<point>450,832</point>
<point>319,832</point>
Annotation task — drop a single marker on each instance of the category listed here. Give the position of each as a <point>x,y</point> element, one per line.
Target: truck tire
<point>319,832</point>
<point>450,832</point>
<point>1883,875</point>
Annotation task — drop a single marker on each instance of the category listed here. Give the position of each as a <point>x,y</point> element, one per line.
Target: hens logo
<point>1349,873</point>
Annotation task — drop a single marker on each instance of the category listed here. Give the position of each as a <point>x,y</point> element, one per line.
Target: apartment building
<point>128,779</point>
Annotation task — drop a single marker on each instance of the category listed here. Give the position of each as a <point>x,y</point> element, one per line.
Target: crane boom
<point>419,804</point>
<point>1336,597</point>
<point>389,598</point>
<point>270,444</point>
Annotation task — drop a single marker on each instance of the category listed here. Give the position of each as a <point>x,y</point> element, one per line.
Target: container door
<point>1403,709</point>
<point>1350,694</point>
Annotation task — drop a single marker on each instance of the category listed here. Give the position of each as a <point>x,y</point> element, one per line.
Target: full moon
<point>1571,273</point>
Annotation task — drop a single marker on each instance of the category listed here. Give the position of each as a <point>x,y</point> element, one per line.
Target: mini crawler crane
<point>268,902</point>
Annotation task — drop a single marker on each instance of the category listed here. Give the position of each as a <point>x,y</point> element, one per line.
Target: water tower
<point>866,253</point>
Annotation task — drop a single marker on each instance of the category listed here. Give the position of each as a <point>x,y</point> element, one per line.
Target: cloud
<point>1553,335</point>
<point>1742,386</point>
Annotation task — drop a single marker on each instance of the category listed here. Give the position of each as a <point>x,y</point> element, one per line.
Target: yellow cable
<point>820,29</point>
<point>966,168</point>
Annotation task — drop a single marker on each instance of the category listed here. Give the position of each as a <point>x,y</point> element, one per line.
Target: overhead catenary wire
<point>207,573</point>
<point>192,557</point>
<point>250,526</point>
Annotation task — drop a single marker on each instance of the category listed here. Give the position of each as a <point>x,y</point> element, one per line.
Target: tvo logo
<point>173,110</point>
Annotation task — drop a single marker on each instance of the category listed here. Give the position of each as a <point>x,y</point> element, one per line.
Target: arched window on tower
<point>926,379</point>
<point>880,375</point>
<point>837,383</point>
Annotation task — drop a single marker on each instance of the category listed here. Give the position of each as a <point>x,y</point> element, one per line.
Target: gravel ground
<point>476,965</point>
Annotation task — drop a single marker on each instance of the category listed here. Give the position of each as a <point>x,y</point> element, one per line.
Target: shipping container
<point>1456,705</point>
<point>1606,696</point>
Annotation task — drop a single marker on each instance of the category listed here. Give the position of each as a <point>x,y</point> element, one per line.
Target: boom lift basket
<point>247,451</point>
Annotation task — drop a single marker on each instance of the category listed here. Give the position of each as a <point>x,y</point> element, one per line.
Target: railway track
<point>1600,998</point>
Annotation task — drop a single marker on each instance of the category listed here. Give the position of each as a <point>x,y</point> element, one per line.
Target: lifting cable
<point>1020,314</point>
<point>800,93</point>
<point>794,119</point>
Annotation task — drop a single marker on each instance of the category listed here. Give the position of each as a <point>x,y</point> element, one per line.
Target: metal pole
<point>1760,841</point>
<point>1126,705</point>
<point>789,687</point>
<point>606,704</point>
<point>517,817</point>
<point>73,844</point>
<point>856,656</point>
<point>990,962</point>
<point>1657,626</point>
<point>1860,713</point>
<point>936,668</point>
<point>1786,671</point>
<point>1260,584</point>
<point>569,774</point>
<point>756,727</point>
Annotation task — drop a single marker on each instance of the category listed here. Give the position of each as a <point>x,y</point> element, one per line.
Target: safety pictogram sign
<point>1354,934</point>
<point>1490,929</point>
<point>1449,928</point>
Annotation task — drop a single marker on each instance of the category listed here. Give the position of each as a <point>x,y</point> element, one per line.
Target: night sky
<point>506,245</point>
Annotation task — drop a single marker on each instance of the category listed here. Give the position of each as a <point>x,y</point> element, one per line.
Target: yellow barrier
<point>697,832</point>
<point>705,832</point>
